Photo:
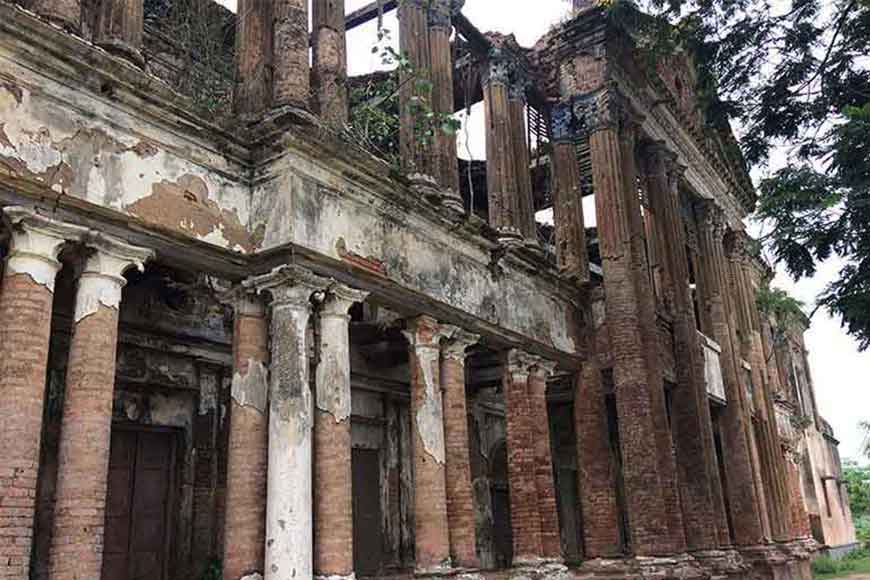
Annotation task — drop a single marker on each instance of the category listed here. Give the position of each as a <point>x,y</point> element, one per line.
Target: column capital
<point>102,279</point>
<point>339,298</point>
<point>244,301</point>
<point>457,343</point>
<point>519,83</point>
<point>289,285</point>
<point>562,126</point>
<point>711,217</point>
<point>544,368</point>
<point>36,243</point>
<point>424,332</point>
<point>607,108</point>
<point>441,13</point>
<point>498,68</point>
<point>519,363</point>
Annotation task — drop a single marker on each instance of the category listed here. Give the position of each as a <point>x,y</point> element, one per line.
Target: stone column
<point>460,498</point>
<point>329,75</point>
<point>289,498</point>
<point>414,44</point>
<point>65,13</point>
<point>26,300</point>
<point>635,386</point>
<point>248,447</point>
<point>740,486</point>
<point>522,481</point>
<point>431,534</point>
<point>551,541</point>
<point>119,28</point>
<point>571,251</point>
<point>291,83</point>
<point>697,467</point>
<point>86,428</point>
<point>445,164</point>
<point>519,84</point>
<point>502,189</point>
<point>253,43</point>
<point>333,501</point>
<point>596,468</point>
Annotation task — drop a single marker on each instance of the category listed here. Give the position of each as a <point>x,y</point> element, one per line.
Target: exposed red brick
<point>551,543</point>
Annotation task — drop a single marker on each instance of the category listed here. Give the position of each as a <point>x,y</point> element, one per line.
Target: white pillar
<point>289,520</point>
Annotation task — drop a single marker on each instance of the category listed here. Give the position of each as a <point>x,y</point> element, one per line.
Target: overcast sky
<point>841,374</point>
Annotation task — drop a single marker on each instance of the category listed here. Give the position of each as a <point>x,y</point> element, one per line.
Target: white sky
<point>841,374</point>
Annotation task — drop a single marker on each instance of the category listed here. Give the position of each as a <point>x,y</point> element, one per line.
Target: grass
<point>854,563</point>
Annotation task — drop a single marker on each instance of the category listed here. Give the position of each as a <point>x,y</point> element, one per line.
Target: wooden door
<point>368,543</point>
<point>140,484</point>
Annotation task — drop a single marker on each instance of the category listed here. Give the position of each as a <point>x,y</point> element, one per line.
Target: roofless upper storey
<point>302,346</point>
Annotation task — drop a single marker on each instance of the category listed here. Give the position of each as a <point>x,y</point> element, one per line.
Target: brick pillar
<point>83,456</point>
<point>413,15</point>
<point>522,481</point>
<point>697,467</point>
<point>247,450</point>
<point>502,189</point>
<point>333,500</point>
<point>26,299</point>
<point>743,502</point>
<point>289,497</point>
<point>571,251</point>
<point>252,93</point>
<point>329,75</point>
<point>800,521</point>
<point>291,83</point>
<point>635,386</point>
<point>460,498</point>
<point>119,28</point>
<point>551,541</point>
<point>525,219</point>
<point>596,468</point>
<point>445,164</point>
<point>431,534</point>
<point>65,13</point>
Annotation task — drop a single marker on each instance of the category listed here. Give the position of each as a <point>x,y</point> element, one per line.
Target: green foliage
<point>827,566</point>
<point>777,303</point>
<point>862,528</point>
<point>857,480</point>
<point>214,570</point>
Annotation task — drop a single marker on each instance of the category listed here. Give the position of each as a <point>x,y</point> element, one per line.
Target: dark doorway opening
<point>140,493</point>
<point>368,542</point>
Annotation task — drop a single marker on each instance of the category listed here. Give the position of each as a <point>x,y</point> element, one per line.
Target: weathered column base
<point>790,561</point>
<point>676,567</point>
<point>723,563</point>
<point>351,576</point>
<point>428,188</point>
<point>124,50</point>
<point>509,236</point>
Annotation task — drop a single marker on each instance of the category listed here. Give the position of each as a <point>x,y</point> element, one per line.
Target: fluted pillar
<point>333,502</point>
<point>253,51</point>
<point>525,219</point>
<point>697,467</point>
<point>460,498</point>
<point>740,490</point>
<point>571,251</point>
<point>616,202</point>
<point>525,516</point>
<point>445,163</point>
<point>414,150</point>
<point>120,27</point>
<point>501,172</point>
<point>289,501</point>
<point>432,540</point>
<point>26,300</point>
<point>329,75</point>
<point>83,457</point>
<point>248,445</point>
<point>291,83</point>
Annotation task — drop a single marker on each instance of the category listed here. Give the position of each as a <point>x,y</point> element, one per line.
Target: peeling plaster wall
<point>309,204</point>
<point>77,144</point>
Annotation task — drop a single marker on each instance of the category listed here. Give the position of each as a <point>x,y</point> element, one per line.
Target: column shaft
<point>446,167</point>
<point>26,299</point>
<point>333,501</point>
<point>525,517</point>
<point>645,493</point>
<point>523,179</point>
<point>329,75</point>
<point>740,487</point>
<point>693,429</point>
<point>571,252</point>
<point>502,188</point>
<point>414,43</point>
<point>120,27</point>
<point>83,456</point>
<point>253,44</point>
<point>247,450</point>
<point>291,84</point>
<point>551,541</point>
<point>430,494</point>
<point>460,502</point>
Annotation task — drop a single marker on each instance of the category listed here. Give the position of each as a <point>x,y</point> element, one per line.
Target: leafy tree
<point>795,75</point>
<point>857,479</point>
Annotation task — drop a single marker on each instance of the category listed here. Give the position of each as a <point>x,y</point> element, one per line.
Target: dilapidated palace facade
<point>244,344</point>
